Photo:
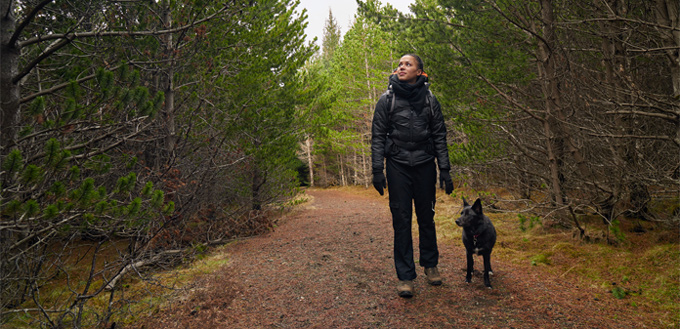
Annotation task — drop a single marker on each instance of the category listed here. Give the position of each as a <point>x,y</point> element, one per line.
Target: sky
<point>343,11</point>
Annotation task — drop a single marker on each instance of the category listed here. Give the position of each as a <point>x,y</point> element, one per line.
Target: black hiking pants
<point>410,186</point>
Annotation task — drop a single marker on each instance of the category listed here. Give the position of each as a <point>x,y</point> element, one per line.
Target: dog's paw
<point>490,272</point>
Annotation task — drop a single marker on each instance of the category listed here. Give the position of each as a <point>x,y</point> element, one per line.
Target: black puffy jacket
<point>408,136</point>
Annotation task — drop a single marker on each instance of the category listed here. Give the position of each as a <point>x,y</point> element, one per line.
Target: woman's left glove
<point>448,183</point>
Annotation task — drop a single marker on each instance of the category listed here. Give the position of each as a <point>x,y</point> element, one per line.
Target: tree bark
<point>668,14</point>
<point>551,100</point>
<point>552,88</point>
<point>613,63</point>
<point>169,108</point>
<point>9,61</point>
<point>310,162</point>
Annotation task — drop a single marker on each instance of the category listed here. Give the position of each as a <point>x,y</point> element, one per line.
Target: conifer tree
<point>331,37</point>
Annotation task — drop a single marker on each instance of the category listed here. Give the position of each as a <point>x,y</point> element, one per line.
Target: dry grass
<point>134,295</point>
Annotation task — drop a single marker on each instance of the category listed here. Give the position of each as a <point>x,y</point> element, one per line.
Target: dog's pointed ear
<point>465,204</point>
<point>477,206</point>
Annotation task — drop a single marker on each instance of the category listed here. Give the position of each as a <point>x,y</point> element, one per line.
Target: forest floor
<point>328,264</point>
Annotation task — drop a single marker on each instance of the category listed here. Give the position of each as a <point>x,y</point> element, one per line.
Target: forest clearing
<point>144,142</point>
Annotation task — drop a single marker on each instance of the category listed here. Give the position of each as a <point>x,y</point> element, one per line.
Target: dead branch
<point>138,264</point>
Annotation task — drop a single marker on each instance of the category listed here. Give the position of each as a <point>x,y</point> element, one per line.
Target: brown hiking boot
<point>405,288</point>
<point>433,276</point>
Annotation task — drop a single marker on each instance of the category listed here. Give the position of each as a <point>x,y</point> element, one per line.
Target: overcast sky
<point>343,11</point>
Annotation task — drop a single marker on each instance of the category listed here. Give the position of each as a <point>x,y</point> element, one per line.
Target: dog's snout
<point>458,222</point>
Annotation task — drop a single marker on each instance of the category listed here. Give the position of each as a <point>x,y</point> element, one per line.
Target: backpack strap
<point>429,100</point>
<point>391,99</point>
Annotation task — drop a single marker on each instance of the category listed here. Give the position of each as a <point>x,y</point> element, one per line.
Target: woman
<point>408,135</point>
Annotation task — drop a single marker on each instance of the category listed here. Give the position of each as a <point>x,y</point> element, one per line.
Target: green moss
<point>568,249</point>
<point>542,258</point>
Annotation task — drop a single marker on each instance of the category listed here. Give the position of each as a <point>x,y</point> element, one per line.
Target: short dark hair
<point>418,59</point>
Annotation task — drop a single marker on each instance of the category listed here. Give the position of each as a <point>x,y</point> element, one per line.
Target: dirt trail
<point>329,265</point>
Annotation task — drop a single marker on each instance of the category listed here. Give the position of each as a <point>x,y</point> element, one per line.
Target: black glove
<point>446,177</point>
<point>379,182</point>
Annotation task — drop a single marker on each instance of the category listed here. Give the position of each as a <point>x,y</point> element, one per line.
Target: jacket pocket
<point>390,147</point>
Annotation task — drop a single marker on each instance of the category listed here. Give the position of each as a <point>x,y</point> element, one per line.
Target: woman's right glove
<point>379,182</point>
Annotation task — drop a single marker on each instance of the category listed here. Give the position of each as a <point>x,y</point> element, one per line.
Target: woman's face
<point>408,70</point>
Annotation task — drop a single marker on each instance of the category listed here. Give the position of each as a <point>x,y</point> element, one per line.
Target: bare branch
<point>39,232</point>
<point>663,138</point>
<point>97,139</point>
<point>91,34</point>
<point>28,310</point>
<point>141,263</point>
<point>120,141</point>
<point>27,20</point>
<point>672,118</point>
<point>620,19</point>
<point>519,145</point>
<point>49,51</point>
<point>61,86</point>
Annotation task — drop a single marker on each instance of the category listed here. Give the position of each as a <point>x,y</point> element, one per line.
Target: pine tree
<point>331,37</point>
<point>259,100</point>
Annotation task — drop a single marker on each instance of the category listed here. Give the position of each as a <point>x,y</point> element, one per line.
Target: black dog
<point>479,237</point>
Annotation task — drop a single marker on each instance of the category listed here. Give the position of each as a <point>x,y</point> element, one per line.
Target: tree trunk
<point>613,63</point>
<point>310,162</point>
<point>372,99</point>
<point>169,109</point>
<point>668,14</point>
<point>9,89</point>
<point>256,193</point>
<point>343,180</point>
<point>355,166</point>
<point>552,87</point>
<point>325,171</point>
<point>555,180</point>
<point>551,96</point>
<point>364,171</point>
